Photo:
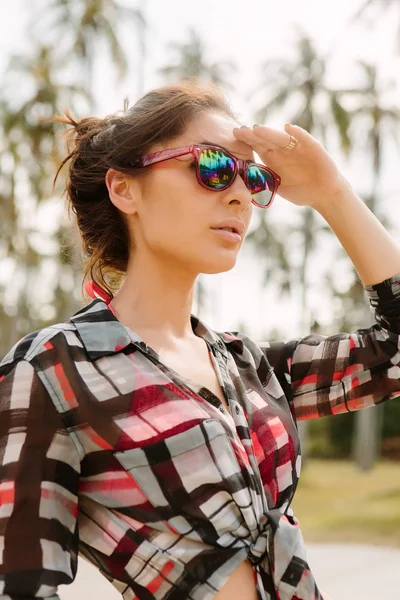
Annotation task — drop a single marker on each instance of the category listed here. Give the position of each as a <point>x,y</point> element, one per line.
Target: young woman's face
<point>176,215</point>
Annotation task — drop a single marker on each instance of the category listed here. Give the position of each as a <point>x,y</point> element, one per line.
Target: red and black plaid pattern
<point>108,453</point>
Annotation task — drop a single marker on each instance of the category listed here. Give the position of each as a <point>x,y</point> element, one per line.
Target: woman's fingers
<point>300,134</point>
<point>266,137</point>
<point>260,135</point>
<point>278,140</point>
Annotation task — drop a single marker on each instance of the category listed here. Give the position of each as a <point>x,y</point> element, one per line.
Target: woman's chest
<point>148,413</point>
<point>197,369</point>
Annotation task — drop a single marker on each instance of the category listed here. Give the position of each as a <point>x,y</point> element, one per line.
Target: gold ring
<point>292,144</point>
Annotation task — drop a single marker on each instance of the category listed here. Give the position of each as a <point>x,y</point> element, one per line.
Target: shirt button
<point>237,409</point>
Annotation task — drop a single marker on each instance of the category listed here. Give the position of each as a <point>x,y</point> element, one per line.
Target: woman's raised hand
<point>309,175</point>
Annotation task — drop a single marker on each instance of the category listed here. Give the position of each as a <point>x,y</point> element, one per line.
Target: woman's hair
<point>95,145</point>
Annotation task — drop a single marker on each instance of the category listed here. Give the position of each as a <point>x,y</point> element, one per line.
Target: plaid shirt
<point>108,453</point>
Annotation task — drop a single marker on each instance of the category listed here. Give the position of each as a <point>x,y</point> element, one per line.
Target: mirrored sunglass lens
<point>261,185</point>
<point>216,168</point>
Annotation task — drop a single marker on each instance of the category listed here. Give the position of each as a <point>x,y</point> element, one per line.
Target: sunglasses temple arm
<point>156,157</point>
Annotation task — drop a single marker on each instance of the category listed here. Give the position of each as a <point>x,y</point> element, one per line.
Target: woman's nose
<point>238,192</point>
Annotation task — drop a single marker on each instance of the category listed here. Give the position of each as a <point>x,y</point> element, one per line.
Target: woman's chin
<point>213,267</point>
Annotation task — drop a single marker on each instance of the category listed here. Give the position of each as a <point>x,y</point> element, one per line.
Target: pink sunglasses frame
<point>241,166</point>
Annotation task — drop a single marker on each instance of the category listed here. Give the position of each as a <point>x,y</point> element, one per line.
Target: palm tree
<point>376,8</point>
<point>88,26</point>
<point>318,109</point>
<point>374,122</point>
<point>190,62</point>
<point>28,155</point>
<point>29,151</point>
<point>270,243</point>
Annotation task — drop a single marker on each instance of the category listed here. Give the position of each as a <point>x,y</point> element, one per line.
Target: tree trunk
<point>307,229</point>
<point>368,426</point>
<point>367,437</point>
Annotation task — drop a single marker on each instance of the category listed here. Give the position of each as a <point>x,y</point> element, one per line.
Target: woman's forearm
<point>375,254</point>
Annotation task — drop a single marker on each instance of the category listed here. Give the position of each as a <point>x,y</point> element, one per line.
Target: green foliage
<point>190,61</point>
<point>391,419</point>
<point>332,437</point>
<point>341,428</point>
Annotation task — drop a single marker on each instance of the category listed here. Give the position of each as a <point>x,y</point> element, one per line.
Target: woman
<point>164,452</point>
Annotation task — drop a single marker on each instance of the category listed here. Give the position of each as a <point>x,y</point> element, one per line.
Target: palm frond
<point>271,105</point>
<point>366,6</point>
<point>341,119</point>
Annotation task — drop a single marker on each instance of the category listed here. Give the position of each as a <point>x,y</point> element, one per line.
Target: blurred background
<point>331,67</point>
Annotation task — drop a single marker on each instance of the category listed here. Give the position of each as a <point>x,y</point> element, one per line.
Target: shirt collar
<point>102,334</point>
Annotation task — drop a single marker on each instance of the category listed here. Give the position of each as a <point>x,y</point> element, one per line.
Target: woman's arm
<point>39,475</point>
<point>325,375</point>
<point>374,253</point>
<point>328,375</point>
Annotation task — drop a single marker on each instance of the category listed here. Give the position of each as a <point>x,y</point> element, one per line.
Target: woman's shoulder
<point>240,343</point>
<point>268,354</point>
<point>35,343</point>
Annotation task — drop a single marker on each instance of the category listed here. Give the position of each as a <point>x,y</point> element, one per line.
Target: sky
<point>249,34</point>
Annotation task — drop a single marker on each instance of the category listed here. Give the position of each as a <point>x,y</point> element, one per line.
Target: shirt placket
<point>222,358</point>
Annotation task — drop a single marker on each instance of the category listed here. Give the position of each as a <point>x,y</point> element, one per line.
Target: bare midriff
<point>240,585</point>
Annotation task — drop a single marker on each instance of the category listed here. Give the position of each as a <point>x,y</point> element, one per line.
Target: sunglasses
<point>216,170</point>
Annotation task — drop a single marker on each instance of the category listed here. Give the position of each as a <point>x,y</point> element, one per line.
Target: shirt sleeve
<point>39,467</point>
<point>328,375</point>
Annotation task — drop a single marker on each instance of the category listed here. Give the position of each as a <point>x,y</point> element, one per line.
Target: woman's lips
<point>230,236</point>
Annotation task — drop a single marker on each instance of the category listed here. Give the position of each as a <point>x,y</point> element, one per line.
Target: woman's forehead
<point>217,128</point>
<point>213,128</point>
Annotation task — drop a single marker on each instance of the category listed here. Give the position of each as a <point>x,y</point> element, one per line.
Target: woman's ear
<point>124,191</point>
